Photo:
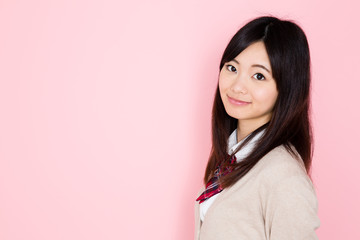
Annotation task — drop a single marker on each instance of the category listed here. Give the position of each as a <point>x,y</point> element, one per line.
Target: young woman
<point>257,183</point>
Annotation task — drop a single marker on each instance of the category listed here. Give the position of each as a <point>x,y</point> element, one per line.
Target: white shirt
<point>240,155</point>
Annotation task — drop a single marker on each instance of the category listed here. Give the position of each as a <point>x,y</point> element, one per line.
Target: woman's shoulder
<point>283,159</point>
<point>281,165</point>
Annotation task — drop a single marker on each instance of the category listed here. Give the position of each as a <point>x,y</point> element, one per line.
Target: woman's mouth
<point>237,102</point>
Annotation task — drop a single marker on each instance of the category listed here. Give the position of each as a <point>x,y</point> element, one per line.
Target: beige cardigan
<point>275,200</point>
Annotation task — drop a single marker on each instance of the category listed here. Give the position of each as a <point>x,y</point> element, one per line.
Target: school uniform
<point>275,200</point>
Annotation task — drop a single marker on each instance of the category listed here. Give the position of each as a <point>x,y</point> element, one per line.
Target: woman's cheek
<point>265,95</point>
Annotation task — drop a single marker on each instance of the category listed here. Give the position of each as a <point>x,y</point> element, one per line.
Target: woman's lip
<point>237,102</point>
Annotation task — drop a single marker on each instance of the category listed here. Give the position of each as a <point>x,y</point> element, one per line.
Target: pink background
<point>105,113</point>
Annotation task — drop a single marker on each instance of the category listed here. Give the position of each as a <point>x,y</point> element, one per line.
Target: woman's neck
<point>244,128</point>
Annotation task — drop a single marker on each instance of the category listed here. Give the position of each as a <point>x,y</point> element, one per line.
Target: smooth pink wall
<point>105,113</point>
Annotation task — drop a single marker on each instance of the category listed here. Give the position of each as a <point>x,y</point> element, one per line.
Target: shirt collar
<point>246,150</point>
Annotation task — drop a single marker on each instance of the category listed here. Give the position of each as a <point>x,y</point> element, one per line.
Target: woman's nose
<point>239,85</point>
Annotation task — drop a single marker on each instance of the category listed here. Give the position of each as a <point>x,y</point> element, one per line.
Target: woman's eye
<point>231,68</point>
<point>259,76</point>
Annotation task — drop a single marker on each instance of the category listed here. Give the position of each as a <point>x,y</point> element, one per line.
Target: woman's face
<point>247,88</point>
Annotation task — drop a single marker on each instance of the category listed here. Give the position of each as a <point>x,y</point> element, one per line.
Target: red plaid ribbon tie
<point>213,187</point>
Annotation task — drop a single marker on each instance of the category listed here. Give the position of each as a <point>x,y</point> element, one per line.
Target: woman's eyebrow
<point>234,60</point>
<point>261,66</point>
<point>254,65</point>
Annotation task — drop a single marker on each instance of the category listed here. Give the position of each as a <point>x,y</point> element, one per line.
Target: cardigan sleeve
<point>291,210</point>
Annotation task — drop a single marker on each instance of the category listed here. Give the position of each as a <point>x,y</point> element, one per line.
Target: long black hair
<point>288,51</point>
